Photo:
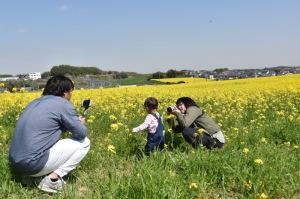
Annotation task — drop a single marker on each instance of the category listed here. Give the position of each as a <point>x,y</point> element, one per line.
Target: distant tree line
<point>169,74</point>
<point>74,71</point>
<point>81,71</point>
<point>174,73</point>
<point>5,75</point>
<point>220,70</point>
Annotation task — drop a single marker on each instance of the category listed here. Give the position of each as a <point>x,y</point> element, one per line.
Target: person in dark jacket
<point>36,148</point>
<point>195,125</point>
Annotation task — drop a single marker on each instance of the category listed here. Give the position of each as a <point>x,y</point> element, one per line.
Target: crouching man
<point>37,148</point>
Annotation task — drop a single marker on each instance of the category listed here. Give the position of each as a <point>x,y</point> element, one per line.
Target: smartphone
<point>86,104</point>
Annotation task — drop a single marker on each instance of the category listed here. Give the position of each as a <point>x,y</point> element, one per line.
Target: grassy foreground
<point>261,159</point>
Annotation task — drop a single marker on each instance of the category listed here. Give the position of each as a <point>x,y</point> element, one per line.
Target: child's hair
<point>151,103</point>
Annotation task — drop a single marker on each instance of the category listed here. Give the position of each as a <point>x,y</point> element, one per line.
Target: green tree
<point>74,70</point>
<point>5,75</point>
<point>158,75</point>
<point>45,75</point>
<point>171,73</point>
<point>220,70</point>
<point>121,75</point>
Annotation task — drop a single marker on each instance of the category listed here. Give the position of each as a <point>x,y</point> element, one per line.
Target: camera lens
<point>169,109</point>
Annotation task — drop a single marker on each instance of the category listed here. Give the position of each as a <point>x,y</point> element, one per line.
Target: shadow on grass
<point>32,182</point>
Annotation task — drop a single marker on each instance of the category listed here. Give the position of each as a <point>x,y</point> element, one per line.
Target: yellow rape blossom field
<point>261,159</point>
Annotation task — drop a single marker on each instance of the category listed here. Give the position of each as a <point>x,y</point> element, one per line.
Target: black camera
<point>171,109</point>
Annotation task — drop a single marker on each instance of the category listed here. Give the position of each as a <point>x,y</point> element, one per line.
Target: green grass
<point>225,173</point>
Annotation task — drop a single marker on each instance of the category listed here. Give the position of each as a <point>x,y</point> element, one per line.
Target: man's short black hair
<point>58,85</point>
<point>151,103</point>
<point>187,101</point>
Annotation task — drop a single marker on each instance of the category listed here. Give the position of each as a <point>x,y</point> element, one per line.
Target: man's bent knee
<point>85,143</point>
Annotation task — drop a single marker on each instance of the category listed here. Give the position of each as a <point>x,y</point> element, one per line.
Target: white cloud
<point>63,8</point>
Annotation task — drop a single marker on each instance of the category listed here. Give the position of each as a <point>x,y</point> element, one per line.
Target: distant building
<point>34,76</point>
<point>99,83</point>
<point>189,73</point>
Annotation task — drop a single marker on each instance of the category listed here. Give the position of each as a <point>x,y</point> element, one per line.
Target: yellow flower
<point>114,127</point>
<point>263,196</point>
<point>200,130</point>
<point>263,140</point>
<point>279,113</point>
<point>248,184</point>
<point>111,148</point>
<point>193,185</point>
<point>259,161</point>
<point>90,121</point>
<point>287,143</point>
<point>112,117</point>
<point>245,151</point>
<point>296,147</point>
<point>235,129</point>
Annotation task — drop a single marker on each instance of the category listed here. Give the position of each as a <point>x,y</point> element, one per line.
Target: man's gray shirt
<point>39,127</point>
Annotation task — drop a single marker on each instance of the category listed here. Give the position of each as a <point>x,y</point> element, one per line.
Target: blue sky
<point>148,36</point>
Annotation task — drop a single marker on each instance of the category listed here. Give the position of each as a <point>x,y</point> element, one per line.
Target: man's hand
<point>82,119</point>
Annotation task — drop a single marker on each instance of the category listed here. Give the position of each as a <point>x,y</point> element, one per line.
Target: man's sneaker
<point>49,186</point>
